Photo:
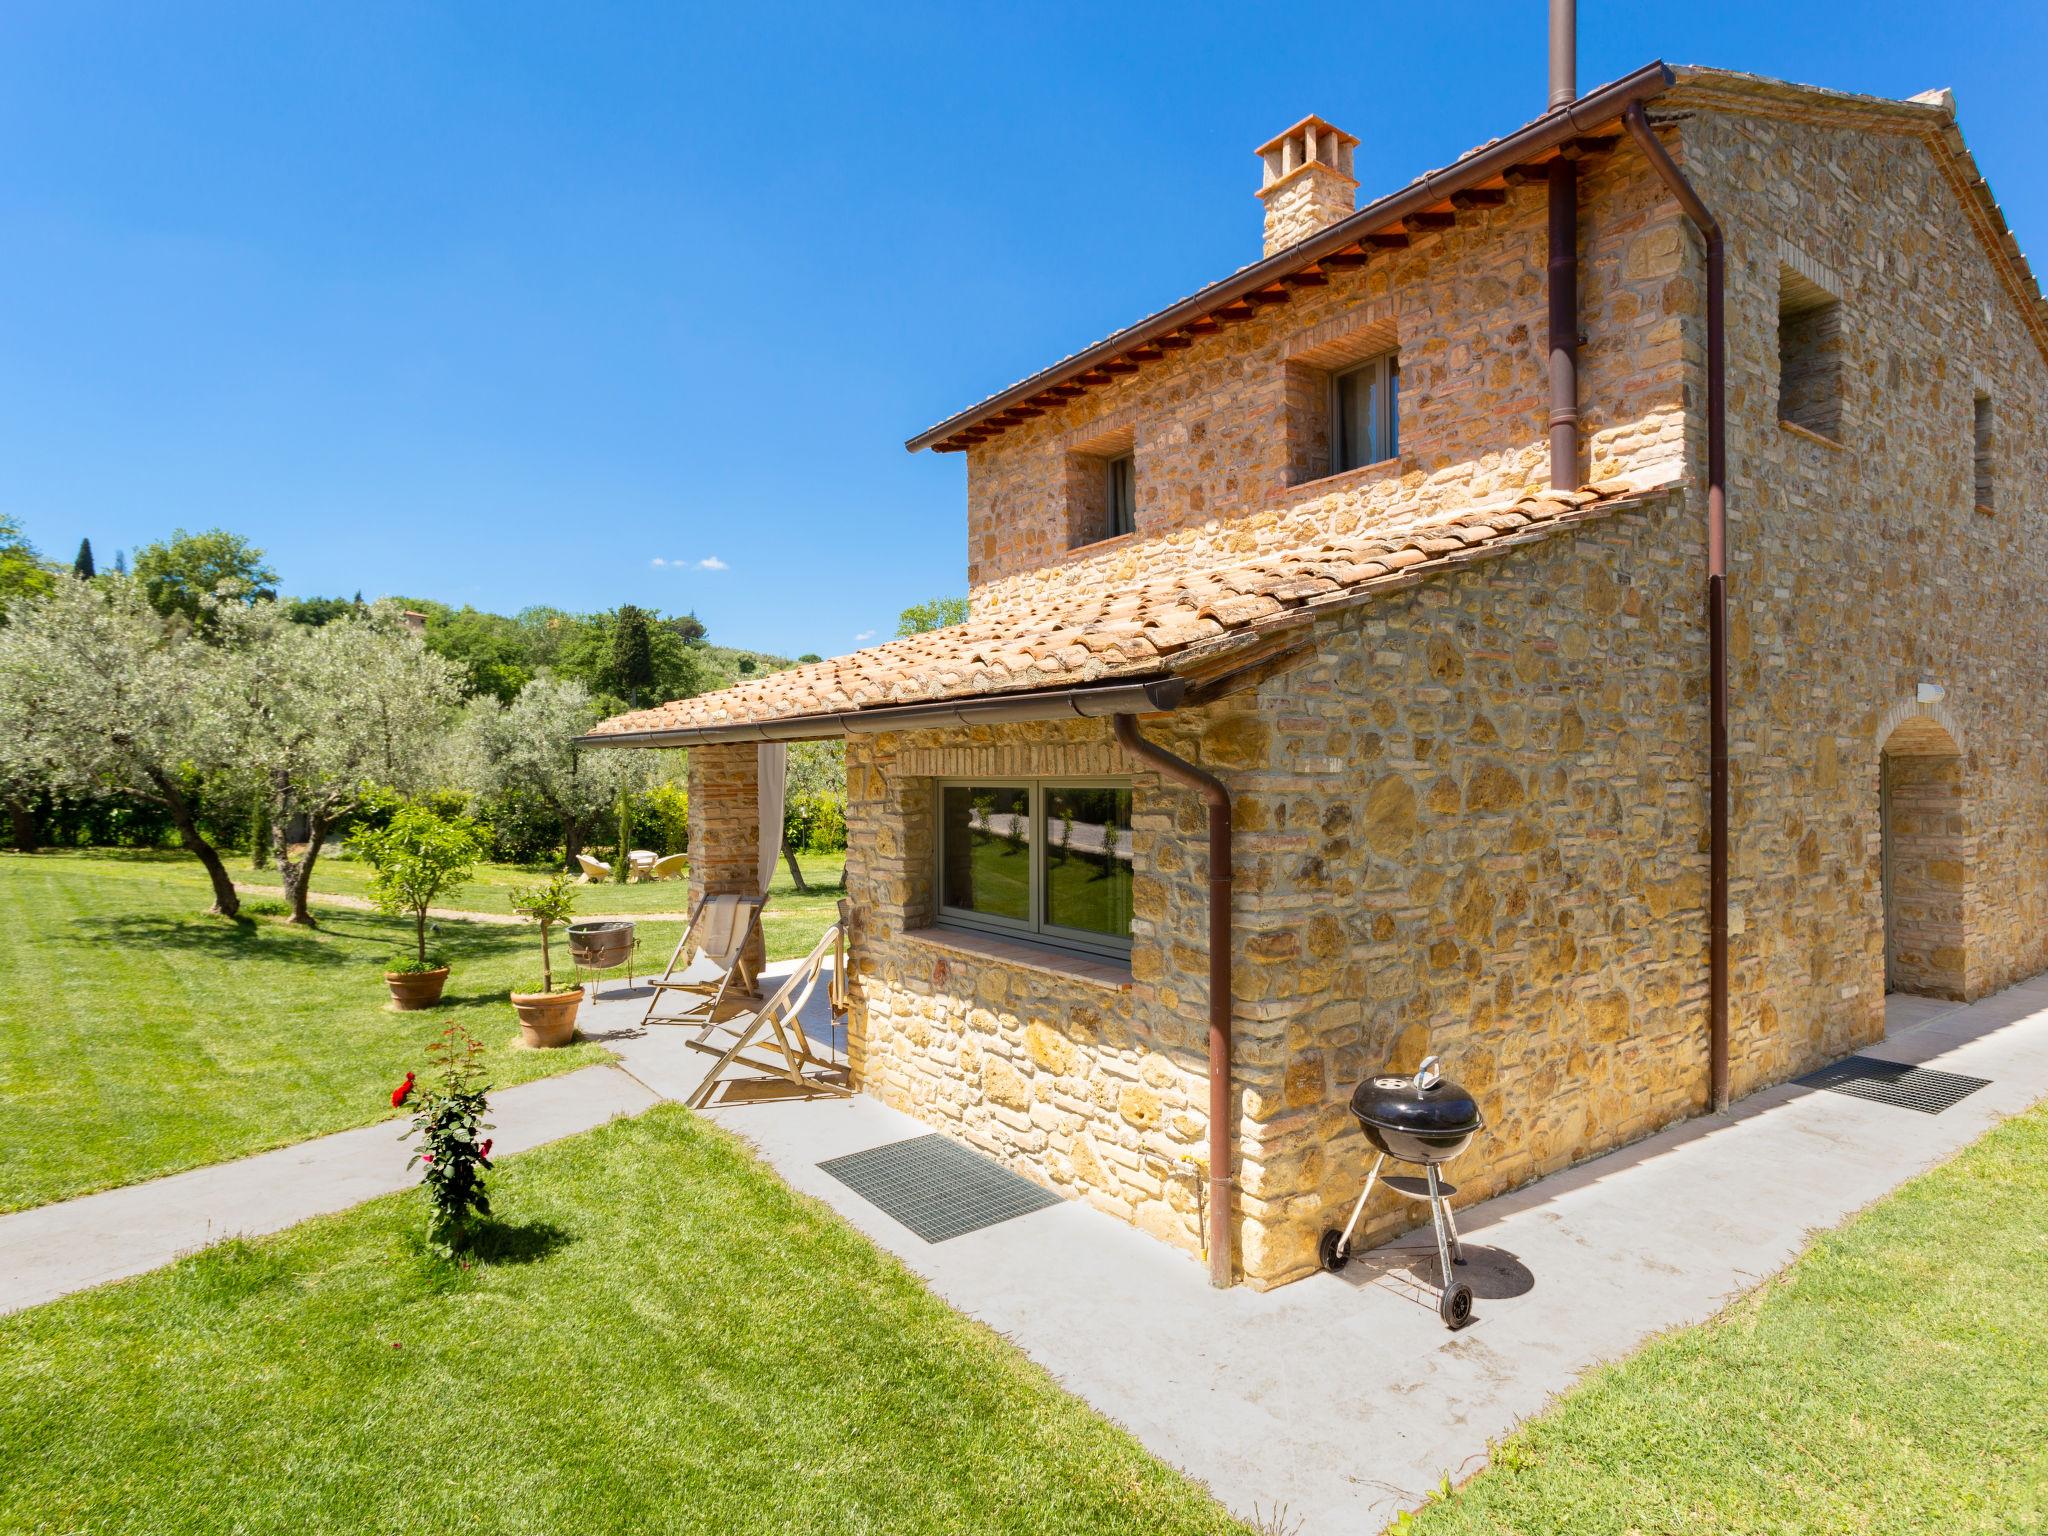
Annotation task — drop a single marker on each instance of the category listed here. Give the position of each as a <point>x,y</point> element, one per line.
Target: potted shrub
<point>547,1017</point>
<point>417,856</point>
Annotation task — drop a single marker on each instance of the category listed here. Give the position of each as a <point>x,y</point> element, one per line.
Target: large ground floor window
<point>1046,859</point>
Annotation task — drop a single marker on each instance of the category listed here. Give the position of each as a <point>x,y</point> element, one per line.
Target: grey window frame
<point>1036,931</point>
<point>1118,472</point>
<point>1386,369</point>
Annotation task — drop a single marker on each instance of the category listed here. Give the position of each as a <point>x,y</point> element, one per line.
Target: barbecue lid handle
<point>1427,1076</point>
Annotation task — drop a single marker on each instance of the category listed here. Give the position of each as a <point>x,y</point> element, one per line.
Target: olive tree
<point>523,748</point>
<point>417,857</point>
<point>103,697</point>
<point>325,714</point>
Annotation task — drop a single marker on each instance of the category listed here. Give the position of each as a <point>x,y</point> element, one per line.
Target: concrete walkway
<point>1342,1400</point>
<point>52,1250</point>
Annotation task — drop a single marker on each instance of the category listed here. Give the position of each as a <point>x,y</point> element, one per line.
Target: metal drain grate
<point>936,1187</point>
<point>1894,1082</point>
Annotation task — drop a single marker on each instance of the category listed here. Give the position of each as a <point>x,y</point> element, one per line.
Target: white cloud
<point>863,637</point>
<point>711,563</point>
<point>659,561</point>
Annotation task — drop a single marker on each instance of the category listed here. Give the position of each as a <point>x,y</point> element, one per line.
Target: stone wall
<point>1217,430</point>
<point>1067,1069</point>
<point>1469,823</point>
<point>1862,575</point>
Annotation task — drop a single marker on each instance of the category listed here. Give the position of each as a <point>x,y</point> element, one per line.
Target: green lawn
<point>1894,1379</point>
<point>667,1339</point>
<point>139,1036</point>
<point>491,890</point>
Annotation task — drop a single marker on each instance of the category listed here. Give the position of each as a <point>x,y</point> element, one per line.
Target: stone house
<point>1413,538</point>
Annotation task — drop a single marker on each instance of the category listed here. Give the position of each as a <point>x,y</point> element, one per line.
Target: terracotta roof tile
<point>1067,639</point>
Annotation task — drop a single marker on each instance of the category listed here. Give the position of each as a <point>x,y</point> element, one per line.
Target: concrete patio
<point>1342,1400</point>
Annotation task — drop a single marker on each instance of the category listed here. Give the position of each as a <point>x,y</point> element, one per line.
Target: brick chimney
<point>1308,181</point>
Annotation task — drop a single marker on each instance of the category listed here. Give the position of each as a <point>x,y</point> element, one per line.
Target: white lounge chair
<point>771,1042</point>
<point>595,871</point>
<point>710,976</point>
<point>668,868</point>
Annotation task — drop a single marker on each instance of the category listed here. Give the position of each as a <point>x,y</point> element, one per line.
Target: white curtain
<point>771,783</point>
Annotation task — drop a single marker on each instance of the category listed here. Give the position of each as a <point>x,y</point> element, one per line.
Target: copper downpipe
<point>1563,272</point>
<point>1638,124</point>
<point>1564,323</point>
<point>1221,1183</point>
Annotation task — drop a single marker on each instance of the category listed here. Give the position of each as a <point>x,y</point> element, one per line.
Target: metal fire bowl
<point>600,946</point>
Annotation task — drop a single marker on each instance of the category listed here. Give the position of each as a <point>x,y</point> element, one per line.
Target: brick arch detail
<point>1918,727</point>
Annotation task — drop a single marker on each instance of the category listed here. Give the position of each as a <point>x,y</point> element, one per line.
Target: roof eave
<point>1593,110</point>
<point>1092,701</point>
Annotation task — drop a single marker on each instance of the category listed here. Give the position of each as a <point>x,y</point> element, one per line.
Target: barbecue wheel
<point>1331,1251</point>
<point>1455,1305</point>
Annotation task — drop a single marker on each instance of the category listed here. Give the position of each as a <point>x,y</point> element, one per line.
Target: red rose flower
<point>426,1157</point>
<point>402,1092</point>
<point>484,1151</point>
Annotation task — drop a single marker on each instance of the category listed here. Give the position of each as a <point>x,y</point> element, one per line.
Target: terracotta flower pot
<point>547,1019</point>
<point>416,989</point>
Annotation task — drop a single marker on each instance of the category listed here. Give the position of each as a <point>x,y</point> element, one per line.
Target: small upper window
<point>1809,355</point>
<point>1365,414</point>
<point>1982,451</point>
<point>1120,495</point>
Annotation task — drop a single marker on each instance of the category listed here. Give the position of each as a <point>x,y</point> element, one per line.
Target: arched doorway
<point>1928,859</point>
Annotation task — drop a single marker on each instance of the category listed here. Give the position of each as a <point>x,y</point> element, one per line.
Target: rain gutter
<point>1222,941</point>
<point>1091,702</point>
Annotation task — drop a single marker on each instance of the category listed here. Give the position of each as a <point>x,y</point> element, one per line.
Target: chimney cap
<point>1322,125</point>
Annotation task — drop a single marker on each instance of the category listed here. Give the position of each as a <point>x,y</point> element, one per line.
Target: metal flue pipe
<point>1221,939</point>
<point>1638,124</point>
<point>1564,53</point>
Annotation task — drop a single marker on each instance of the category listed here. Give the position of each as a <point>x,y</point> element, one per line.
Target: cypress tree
<point>82,566</point>
<point>632,658</point>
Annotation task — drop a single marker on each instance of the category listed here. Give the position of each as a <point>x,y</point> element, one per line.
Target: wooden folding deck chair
<point>771,1041</point>
<point>710,976</point>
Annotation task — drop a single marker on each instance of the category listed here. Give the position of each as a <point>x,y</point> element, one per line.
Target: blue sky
<point>502,303</point>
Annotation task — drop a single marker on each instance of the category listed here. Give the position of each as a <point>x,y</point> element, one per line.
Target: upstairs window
<point>1981,451</point>
<point>1365,414</point>
<point>1047,860</point>
<point>1809,355</point>
<point>1100,490</point>
<point>1120,495</point>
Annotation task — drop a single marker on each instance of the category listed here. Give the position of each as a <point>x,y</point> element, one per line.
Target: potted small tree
<point>417,856</point>
<point>547,1017</point>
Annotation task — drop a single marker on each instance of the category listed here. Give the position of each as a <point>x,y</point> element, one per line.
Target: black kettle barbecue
<point>1425,1119</point>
